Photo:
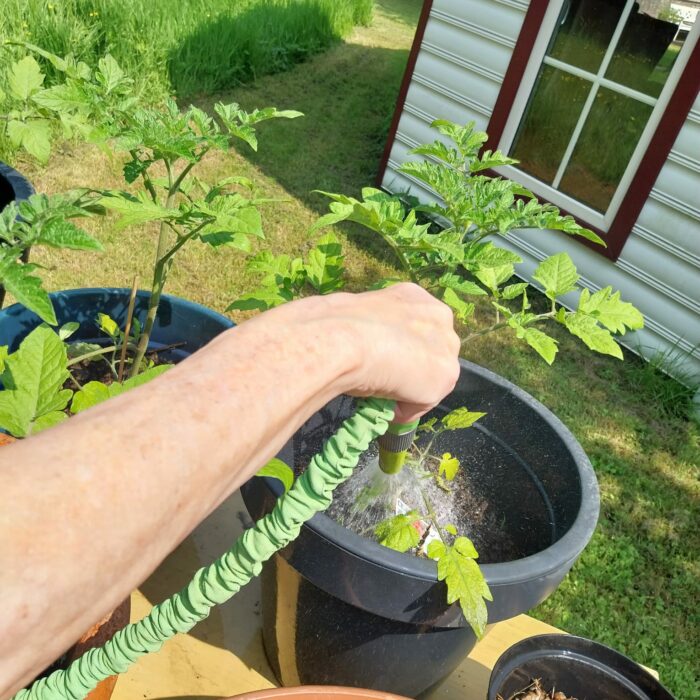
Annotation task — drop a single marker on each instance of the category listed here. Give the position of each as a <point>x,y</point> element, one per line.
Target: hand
<point>406,343</point>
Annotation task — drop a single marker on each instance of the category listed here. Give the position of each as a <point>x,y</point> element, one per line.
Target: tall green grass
<point>186,47</point>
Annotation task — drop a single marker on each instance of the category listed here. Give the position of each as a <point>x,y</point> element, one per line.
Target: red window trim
<point>657,151</point>
<point>648,169</point>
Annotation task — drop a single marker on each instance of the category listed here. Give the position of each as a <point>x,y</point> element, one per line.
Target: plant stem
<point>400,256</point>
<point>159,275</point>
<point>432,517</point>
<point>74,380</point>
<point>490,329</point>
<point>148,183</point>
<point>127,328</point>
<point>93,353</point>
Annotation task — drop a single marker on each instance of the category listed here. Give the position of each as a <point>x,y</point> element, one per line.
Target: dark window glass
<point>648,48</point>
<point>584,31</point>
<point>550,117</point>
<point>604,148</point>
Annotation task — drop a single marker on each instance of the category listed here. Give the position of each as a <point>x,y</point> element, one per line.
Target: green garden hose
<point>311,493</point>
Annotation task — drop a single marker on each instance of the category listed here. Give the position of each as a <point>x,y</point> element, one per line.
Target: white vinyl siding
<point>463,59</point>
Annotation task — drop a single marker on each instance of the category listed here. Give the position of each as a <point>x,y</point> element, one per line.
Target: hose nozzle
<point>394,445</point>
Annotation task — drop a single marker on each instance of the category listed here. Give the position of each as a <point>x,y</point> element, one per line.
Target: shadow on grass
<point>232,49</point>
<point>347,97</point>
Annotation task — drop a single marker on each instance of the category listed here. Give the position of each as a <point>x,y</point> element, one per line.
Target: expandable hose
<point>311,493</point>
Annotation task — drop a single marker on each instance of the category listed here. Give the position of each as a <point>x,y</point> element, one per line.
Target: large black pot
<point>13,186</point>
<point>178,320</point>
<point>341,609</point>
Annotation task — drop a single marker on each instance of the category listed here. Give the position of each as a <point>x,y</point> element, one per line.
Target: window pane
<point>584,32</point>
<point>649,45</point>
<point>550,117</point>
<point>604,148</point>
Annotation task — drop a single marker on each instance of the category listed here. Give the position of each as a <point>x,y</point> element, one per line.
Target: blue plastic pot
<point>178,320</point>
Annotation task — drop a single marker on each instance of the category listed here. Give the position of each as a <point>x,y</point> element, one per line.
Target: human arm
<point>90,508</point>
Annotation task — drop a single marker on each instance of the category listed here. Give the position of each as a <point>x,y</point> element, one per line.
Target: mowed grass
<point>186,46</point>
<point>636,586</point>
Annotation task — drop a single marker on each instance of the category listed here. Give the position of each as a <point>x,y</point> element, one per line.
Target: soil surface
<point>535,691</point>
<point>95,369</point>
<point>492,500</point>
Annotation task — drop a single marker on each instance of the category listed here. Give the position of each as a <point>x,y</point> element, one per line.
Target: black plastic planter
<point>576,666</point>
<point>181,322</point>
<point>341,609</point>
<point>13,186</point>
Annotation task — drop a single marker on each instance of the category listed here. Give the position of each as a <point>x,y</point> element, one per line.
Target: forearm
<point>115,489</point>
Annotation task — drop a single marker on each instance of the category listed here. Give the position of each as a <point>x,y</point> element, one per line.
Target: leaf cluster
<point>41,220</point>
<point>283,278</point>
<point>455,556</point>
<point>81,103</point>
<point>461,260</point>
<point>33,379</point>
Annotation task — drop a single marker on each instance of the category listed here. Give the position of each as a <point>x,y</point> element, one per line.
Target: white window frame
<point>573,206</point>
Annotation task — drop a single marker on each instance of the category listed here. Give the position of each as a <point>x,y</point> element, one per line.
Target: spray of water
<point>372,496</point>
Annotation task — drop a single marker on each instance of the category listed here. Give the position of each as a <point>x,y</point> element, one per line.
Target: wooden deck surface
<point>223,655</point>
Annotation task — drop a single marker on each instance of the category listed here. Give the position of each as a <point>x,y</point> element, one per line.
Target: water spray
<point>394,446</point>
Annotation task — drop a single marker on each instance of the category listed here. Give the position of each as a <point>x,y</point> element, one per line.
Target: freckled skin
<point>89,508</point>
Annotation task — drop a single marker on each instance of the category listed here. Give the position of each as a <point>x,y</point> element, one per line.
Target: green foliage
<point>33,378</point>
<point>399,532</point>
<point>557,274</point>
<point>277,469</point>
<point>283,278</point>
<point>448,467</point>
<point>460,418</point>
<point>160,44</point>
<point>97,103</point>
<point>33,398</point>
<point>457,567</point>
<point>40,220</point>
<point>461,260</point>
<point>95,392</point>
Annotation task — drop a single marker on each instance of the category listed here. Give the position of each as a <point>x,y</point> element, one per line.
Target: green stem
<point>158,281</point>
<point>490,329</point>
<point>432,517</point>
<point>74,380</point>
<point>148,183</point>
<point>93,353</point>
<point>185,171</point>
<point>400,256</point>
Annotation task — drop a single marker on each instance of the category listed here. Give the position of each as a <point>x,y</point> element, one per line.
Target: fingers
<point>411,349</point>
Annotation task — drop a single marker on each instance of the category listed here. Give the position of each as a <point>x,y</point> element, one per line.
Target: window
<point>591,89</point>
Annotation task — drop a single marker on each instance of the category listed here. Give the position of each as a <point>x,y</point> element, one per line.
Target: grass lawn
<point>636,586</point>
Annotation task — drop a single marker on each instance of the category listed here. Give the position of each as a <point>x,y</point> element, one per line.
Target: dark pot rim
<point>561,553</point>
<point>571,646</point>
<point>21,187</point>
<point>119,291</point>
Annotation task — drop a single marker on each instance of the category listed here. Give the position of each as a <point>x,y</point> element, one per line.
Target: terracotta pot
<point>96,636</point>
<point>318,692</point>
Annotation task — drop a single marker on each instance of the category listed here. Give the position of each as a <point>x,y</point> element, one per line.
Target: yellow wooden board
<point>223,655</point>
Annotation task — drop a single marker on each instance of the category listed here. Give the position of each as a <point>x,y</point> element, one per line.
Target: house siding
<point>461,64</point>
